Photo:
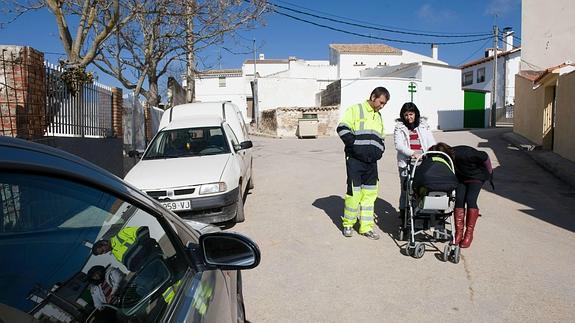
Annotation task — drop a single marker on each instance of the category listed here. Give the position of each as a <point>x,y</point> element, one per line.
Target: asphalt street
<point>520,268</point>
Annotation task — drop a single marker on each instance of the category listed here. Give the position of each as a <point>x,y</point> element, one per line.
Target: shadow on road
<point>519,185</point>
<point>387,216</point>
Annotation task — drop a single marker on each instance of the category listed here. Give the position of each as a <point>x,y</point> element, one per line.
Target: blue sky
<point>282,36</point>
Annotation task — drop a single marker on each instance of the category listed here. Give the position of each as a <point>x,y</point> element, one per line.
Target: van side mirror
<point>246,144</point>
<point>135,154</point>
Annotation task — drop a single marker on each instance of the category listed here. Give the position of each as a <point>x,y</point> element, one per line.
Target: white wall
<point>287,92</point>
<point>547,29</point>
<point>264,69</point>
<point>349,69</point>
<point>439,96</point>
<point>208,89</point>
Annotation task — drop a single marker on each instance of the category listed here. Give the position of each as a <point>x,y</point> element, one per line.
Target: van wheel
<point>240,216</point>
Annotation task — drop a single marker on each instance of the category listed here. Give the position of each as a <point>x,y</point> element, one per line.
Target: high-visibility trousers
<point>362,188</point>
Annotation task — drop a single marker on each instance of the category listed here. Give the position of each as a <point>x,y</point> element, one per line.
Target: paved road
<point>520,268</point>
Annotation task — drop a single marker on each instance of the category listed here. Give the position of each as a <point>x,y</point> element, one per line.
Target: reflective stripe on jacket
<point>126,239</point>
<point>361,130</point>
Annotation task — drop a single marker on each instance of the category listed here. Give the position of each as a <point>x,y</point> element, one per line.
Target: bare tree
<point>144,48</point>
<point>83,47</point>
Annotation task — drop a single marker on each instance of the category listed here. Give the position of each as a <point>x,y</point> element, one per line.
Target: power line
<point>475,52</point>
<point>383,26</point>
<point>376,28</point>
<point>375,37</point>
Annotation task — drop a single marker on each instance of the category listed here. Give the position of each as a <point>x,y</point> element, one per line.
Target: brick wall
<point>22,92</point>
<point>117,113</point>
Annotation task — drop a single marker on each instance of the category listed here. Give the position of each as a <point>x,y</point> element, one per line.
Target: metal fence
<point>36,103</point>
<point>86,114</point>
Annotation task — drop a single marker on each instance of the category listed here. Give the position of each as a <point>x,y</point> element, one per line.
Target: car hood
<point>177,172</point>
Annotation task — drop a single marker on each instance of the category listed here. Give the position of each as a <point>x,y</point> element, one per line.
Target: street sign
<point>411,88</point>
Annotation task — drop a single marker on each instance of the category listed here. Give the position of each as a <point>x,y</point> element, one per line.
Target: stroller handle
<point>414,161</point>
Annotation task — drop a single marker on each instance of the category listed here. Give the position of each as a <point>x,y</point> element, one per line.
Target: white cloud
<point>434,15</point>
<point>501,7</point>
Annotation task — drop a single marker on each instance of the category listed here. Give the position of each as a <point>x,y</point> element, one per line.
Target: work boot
<point>371,235</point>
<point>459,217</point>
<point>347,232</point>
<point>472,215</point>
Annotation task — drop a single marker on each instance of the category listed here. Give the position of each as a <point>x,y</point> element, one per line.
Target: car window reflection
<point>74,253</point>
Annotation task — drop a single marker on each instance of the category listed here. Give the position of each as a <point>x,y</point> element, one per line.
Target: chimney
<point>262,57</point>
<point>489,52</point>
<point>434,50</point>
<point>508,39</point>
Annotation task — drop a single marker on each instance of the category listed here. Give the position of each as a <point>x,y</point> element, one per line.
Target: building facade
<point>544,87</point>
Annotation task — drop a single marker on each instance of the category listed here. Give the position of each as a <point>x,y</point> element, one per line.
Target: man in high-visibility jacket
<point>361,130</point>
<point>132,246</point>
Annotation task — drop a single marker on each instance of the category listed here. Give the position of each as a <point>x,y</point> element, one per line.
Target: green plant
<point>75,78</point>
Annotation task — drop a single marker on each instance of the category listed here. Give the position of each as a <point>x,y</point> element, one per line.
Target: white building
<point>547,33</point>
<point>359,68</point>
<point>351,59</point>
<point>438,92</point>
<point>478,74</point>
<point>224,85</point>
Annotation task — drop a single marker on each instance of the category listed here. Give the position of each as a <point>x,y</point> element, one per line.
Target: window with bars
<point>467,78</point>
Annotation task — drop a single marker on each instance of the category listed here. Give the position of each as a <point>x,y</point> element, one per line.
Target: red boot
<point>459,215</point>
<point>472,215</point>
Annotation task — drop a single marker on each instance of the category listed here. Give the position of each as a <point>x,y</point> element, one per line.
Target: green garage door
<point>474,109</point>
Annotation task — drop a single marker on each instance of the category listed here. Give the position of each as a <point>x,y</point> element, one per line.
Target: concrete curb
<point>562,168</point>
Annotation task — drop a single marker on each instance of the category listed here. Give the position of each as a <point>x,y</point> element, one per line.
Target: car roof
<point>26,156</point>
<point>195,122</point>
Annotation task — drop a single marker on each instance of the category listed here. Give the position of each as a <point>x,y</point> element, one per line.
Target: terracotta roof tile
<point>487,59</point>
<point>365,49</point>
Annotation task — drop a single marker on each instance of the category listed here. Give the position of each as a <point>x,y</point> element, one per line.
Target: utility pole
<point>494,83</point>
<point>255,91</point>
<point>190,82</point>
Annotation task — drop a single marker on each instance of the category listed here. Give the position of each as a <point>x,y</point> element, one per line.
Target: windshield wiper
<point>161,157</point>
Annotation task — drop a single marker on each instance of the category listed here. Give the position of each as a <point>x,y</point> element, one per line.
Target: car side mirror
<point>229,251</point>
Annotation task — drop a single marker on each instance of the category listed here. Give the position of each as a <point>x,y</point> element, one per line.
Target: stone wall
<point>283,122</point>
<point>332,94</point>
<point>268,123</point>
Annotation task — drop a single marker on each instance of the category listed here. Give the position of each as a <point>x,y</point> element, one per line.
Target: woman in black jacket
<point>472,168</point>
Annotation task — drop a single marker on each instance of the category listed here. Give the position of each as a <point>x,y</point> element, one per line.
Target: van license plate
<point>178,205</point>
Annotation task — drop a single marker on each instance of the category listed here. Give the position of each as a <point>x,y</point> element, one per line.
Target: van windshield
<point>188,142</point>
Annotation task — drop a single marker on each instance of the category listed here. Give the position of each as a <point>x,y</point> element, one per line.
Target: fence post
<point>117,112</point>
<point>148,122</point>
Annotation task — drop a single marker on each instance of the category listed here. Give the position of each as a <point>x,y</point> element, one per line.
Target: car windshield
<point>188,142</point>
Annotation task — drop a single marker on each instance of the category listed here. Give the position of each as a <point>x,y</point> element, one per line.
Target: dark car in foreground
<point>78,244</point>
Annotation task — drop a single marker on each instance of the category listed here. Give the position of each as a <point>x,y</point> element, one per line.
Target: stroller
<point>430,198</point>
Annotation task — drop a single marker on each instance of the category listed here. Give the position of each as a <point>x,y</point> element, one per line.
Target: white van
<point>199,164</point>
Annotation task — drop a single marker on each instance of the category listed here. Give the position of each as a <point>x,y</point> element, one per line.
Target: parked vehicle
<point>199,164</point>
<point>80,245</point>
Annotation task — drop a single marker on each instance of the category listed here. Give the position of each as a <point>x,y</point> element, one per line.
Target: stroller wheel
<point>446,252</point>
<point>456,254</point>
<point>418,250</point>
